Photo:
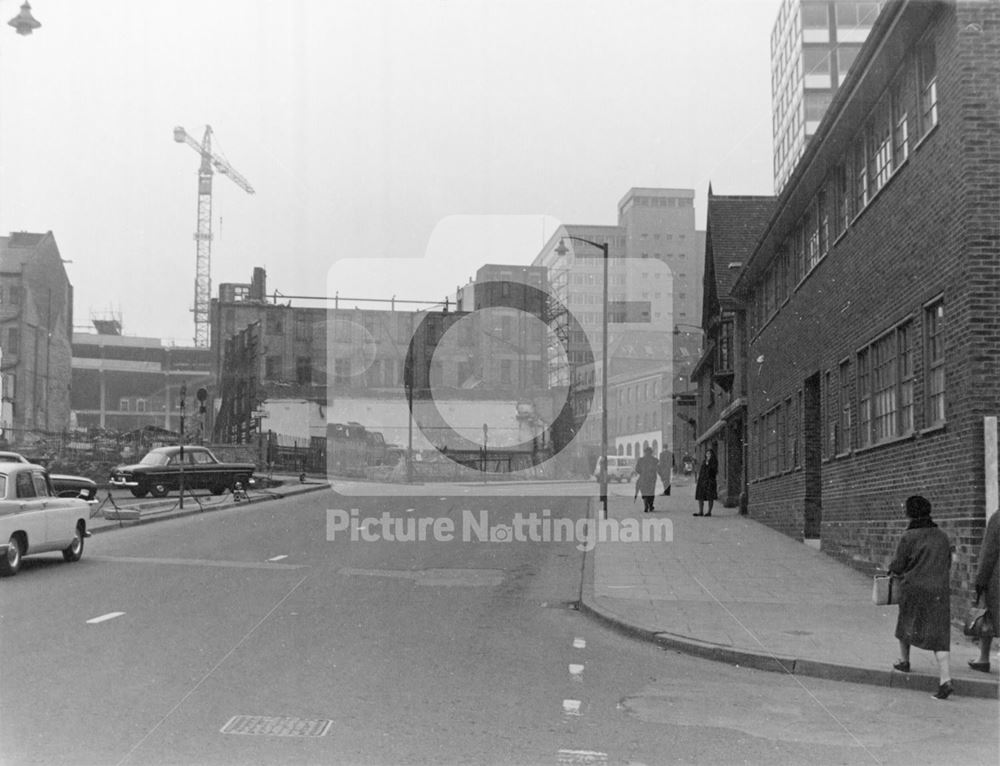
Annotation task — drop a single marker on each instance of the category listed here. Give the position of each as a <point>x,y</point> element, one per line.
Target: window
<point>141,405</point>
<point>274,324</point>
<point>860,175</point>
<point>880,146</point>
<point>303,370</point>
<point>341,371</point>
<point>123,404</point>
<point>927,72</point>
<point>301,326</point>
<point>725,341</point>
<point>864,400</point>
<point>885,387</point>
<point>841,193</point>
<point>13,341</point>
<point>846,54</point>
<point>272,367</point>
<point>816,62</point>
<point>811,227</point>
<point>23,485</point>
<point>505,370</point>
<point>771,428</point>
<point>844,429</point>
<point>900,124</point>
<point>823,214</point>
<point>791,436</point>
<point>815,23</point>
<point>831,414</point>
<point>934,364</point>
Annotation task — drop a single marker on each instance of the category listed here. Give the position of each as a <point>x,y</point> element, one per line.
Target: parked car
<point>34,520</point>
<point>619,468</point>
<point>63,485</point>
<point>159,472</point>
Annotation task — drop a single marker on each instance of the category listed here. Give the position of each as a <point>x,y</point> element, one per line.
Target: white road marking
<point>104,617</point>
<point>571,707</point>
<point>575,669</point>
<point>579,643</point>
<point>278,558</point>
<point>581,756</point>
<point>196,562</point>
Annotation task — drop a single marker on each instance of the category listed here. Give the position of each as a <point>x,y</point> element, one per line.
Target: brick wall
<point>933,230</point>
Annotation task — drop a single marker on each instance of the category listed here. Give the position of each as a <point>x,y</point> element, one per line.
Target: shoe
<point>902,667</point>
<point>697,514</point>
<point>709,513</point>
<point>983,667</point>
<point>944,691</point>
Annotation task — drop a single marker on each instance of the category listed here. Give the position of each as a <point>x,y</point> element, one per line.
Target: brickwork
<point>930,233</point>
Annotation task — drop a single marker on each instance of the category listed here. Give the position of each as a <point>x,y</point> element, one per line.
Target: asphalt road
<point>310,650</point>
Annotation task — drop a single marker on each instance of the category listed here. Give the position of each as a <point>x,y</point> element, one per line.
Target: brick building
<point>732,228</point>
<point>872,366</point>
<point>36,327</point>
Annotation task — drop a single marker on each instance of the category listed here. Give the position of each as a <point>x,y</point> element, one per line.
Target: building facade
<point>36,327</point>
<point>813,44</point>
<point>125,383</point>
<point>872,363</point>
<point>733,226</point>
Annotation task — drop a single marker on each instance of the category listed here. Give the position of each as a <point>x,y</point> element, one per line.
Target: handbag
<point>886,589</point>
<point>977,621</point>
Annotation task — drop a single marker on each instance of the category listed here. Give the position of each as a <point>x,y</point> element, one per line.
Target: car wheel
<point>159,490</point>
<point>11,561</point>
<point>75,549</point>
<point>217,489</point>
<point>139,491</point>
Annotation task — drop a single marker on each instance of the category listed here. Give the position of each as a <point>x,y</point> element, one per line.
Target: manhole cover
<point>272,726</point>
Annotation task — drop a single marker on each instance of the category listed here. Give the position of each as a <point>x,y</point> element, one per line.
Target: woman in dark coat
<point>988,587</point>
<point>646,467</point>
<point>923,561</point>
<point>706,488</point>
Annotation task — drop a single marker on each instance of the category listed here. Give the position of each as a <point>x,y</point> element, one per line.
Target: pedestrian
<point>646,467</point>
<point>706,490</point>
<point>666,468</point>
<point>923,561</point>
<point>988,588</point>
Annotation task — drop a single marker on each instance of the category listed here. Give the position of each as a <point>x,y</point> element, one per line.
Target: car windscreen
<point>3,487</point>
<point>154,458</point>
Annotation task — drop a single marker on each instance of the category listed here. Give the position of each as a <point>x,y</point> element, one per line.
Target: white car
<point>34,520</point>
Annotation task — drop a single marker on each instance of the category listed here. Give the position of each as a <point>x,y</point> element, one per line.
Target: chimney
<point>258,284</point>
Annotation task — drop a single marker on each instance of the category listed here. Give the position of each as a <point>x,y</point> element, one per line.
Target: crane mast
<point>210,163</point>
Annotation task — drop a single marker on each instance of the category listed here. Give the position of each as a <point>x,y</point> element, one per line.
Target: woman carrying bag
<point>923,561</point>
<point>988,590</point>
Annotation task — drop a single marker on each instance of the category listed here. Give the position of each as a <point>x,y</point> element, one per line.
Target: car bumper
<point>122,482</point>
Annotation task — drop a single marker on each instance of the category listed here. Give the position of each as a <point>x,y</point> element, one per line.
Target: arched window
<point>656,447</point>
<point>621,449</point>
<point>628,451</point>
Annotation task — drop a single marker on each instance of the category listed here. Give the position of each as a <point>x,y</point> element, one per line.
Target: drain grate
<point>273,726</point>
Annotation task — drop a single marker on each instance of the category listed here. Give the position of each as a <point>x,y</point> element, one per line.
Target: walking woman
<point>645,485</point>
<point>988,587</point>
<point>923,560</point>
<point>706,489</point>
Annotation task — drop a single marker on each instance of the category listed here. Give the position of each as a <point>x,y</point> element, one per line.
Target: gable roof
<point>734,225</point>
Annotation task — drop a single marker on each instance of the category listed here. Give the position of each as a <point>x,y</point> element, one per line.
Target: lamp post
<point>561,251</point>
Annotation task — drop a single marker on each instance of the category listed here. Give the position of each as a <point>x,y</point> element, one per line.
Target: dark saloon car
<point>63,485</point>
<point>159,472</point>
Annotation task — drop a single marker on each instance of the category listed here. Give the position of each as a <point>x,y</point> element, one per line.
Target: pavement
<point>726,588</point>
<point>731,589</point>
<point>114,513</point>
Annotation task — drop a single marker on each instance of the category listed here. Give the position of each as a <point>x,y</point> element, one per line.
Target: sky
<point>459,132</point>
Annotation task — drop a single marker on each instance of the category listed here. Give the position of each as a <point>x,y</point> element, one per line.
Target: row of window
<point>877,151</point>
<point>10,294</point>
<point>869,399</point>
<point>626,450</point>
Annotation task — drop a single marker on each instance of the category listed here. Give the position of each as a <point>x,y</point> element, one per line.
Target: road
<point>313,650</point>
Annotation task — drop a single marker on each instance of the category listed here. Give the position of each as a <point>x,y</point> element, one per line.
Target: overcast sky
<point>368,130</point>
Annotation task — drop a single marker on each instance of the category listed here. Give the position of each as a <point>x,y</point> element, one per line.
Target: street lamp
<point>24,23</point>
<point>561,251</point>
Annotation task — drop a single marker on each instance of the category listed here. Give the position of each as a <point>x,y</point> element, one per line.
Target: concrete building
<point>813,44</point>
<point>36,327</point>
<point>124,383</point>
<point>872,365</point>
<point>654,288</point>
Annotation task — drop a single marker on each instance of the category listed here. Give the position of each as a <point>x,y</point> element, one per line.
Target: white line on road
<point>575,669</point>
<point>196,562</point>
<point>581,756</point>
<point>571,707</point>
<point>278,558</point>
<point>104,617</point>
<point>579,643</point>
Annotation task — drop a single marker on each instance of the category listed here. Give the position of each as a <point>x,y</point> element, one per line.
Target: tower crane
<point>210,163</point>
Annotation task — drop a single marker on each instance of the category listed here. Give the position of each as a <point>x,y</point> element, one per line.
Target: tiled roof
<point>735,223</point>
